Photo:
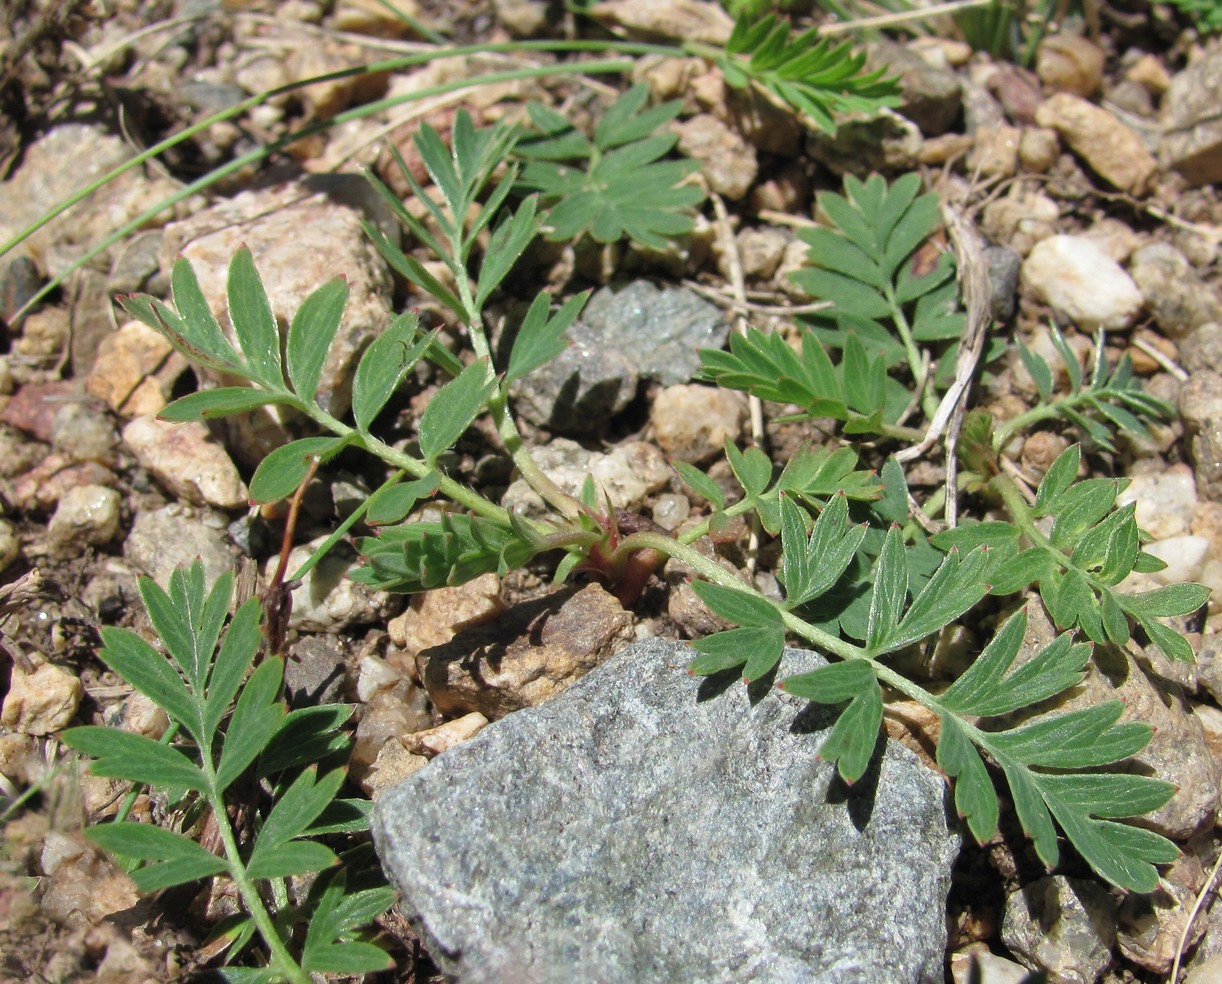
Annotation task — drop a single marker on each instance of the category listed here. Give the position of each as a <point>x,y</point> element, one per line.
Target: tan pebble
<point>1069,63</point>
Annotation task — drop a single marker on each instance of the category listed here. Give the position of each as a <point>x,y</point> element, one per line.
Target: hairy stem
<point>282,960</point>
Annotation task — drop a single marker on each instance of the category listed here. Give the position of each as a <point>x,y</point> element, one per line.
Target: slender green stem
<point>340,531</point>
<point>498,405</point>
<point>282,960</point>
<point>1020,513</point>
<point>1044,411</point>
<point>920,372</point>
<point>714,572</point>
<point>694,533</point>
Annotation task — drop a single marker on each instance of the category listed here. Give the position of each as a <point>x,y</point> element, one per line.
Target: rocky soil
<point>1092,175</point>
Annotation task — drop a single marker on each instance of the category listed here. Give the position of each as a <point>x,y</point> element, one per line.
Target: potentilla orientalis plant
<point>867,572</point>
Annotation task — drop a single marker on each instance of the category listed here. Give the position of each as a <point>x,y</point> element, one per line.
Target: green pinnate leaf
<point>213,404</point>
<point>741,606</point>
<point>418,556</point>
<point>956,586</point>
<point>254,325</point>
<point>505,247</point>
<point>751,467</point>
<point>311,333</point>
<point>854,736</point>
<point>232,661</point>
<point>765,366</point>
<point>1085,738</point>
<point>1119,853</point>
<point>890,591</point>
<point>815,475</point>
<point>177,617</point>
<point>756,649</point>
<point>193,329</point>
<point>392,503</point>
<point>813,565</point>
<point>616,187</point>
<point>1057,480</point>
<point>975,798</point>
<point>700,483</point>
<point>123,755</point>
<point>453,409</point>
<point>306,735</point>
<point>1166,602</point>
<point>150,673</point>
<point>336,914</point>
<point>296,808</point>
<point>1173,645</point>
<point>282,471</point>
<point>384,365</point>
<point>296,858</point>
<point>1079,508</point>
<point>1039,371</point>
<point>257,716</point>
<point>177,859</point>
<point>542,335</point>
<point>811,75</point>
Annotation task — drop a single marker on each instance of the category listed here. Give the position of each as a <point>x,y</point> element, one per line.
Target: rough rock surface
<point>187,461</point>
<point>649,826</point>
<point>1192,142</point>
<point>637,331</point>
<point>624,476</point>
<point>1113,151</point>
<point>526,656</point>
<point>1063,926</point>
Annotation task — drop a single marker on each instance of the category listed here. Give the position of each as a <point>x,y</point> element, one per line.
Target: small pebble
<point>1083,283</point>
<point>10,546</point>
<point>185,459</point>
<point>692,423</point>
<point>87,516</point>
<point>83,433</point>
<point>1070,63</point>
<point>41,701</point>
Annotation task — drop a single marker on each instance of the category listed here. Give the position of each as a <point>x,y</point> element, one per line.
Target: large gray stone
<point>638,331</point>
<point>650,826</point>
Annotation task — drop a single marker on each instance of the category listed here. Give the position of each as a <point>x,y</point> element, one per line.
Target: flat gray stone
<point>635,332</point>
<point>647,825</point>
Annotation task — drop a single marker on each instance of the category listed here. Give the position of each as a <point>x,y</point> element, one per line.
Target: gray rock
<point>1202,348</point>
<point>884,142</point>
<point>581,389</point>
<point>1200,406</point>
<point>931,95</point>
<point>647,826</point>
<point>1175,294</point>
<point>1004,267</point>
<point>1192,140</point>
<point>173,536</point>
<point>660,330</point>
<point>1065,926</point>
<point>314,672</point>
<point>624,335</point>
<point>84,433</point>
